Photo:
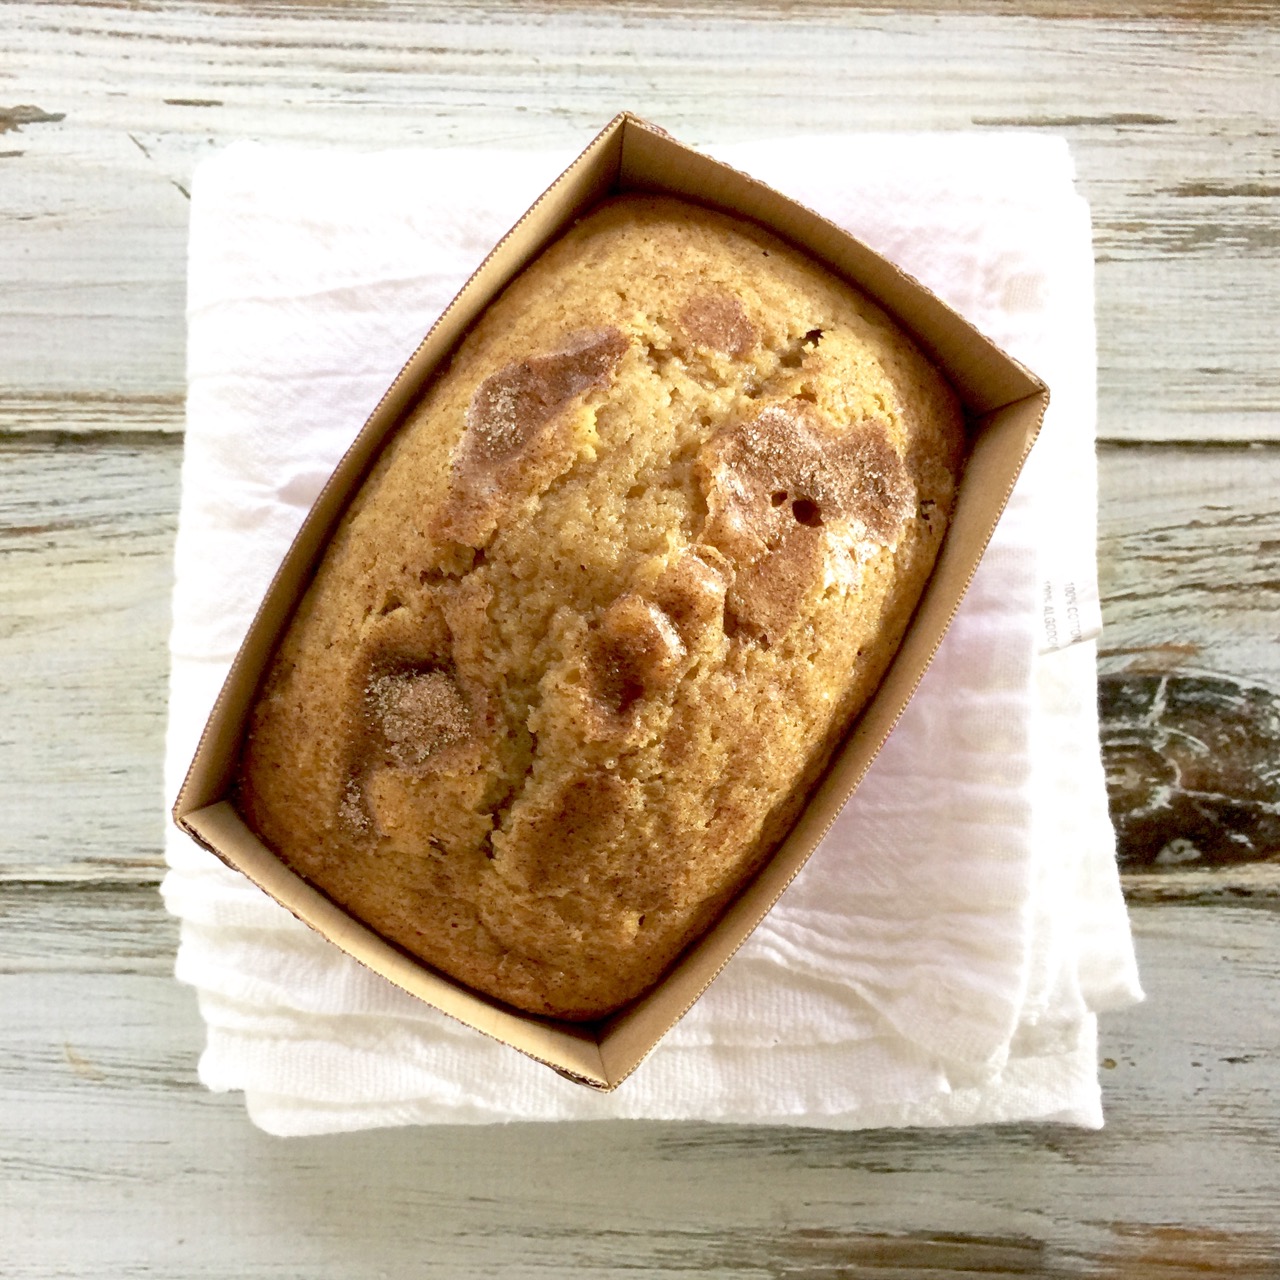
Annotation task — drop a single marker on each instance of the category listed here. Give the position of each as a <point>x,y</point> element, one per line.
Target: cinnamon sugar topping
<point>719,321</point>
<point>418,713</point>
<point>511,406</point>
<point>690,593</point>
<point>772,481</point>
<point>512,447</point>
<point>634,653</point>
<point>784,466</point>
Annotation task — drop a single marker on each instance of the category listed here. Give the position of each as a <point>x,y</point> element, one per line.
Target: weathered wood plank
<point>1187,550</point>
<point>1190,696</point>
<point>77,413</point>
<point>1166,11</point>
<point>1182,12</point>
<point>105,1126</point>
<point>85,926</point>
<point>1193,771</point>
<point>1181,168</point>
<point>1189,561</point>
<point>1171,109</point>
<point>86,532</point>
<point>1256,884</point>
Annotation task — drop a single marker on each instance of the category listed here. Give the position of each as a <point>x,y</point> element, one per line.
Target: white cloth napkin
<point>943,956</point>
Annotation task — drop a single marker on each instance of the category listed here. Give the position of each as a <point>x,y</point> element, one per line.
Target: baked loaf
<point>589,633</point>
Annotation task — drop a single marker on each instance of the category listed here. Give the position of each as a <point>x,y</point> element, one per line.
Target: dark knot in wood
<point>1193,770</point>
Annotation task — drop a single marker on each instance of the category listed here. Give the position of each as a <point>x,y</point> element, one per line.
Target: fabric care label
<point>1070,610</point>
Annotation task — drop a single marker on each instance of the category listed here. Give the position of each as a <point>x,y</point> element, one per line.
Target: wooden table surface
<point>114,1162</point>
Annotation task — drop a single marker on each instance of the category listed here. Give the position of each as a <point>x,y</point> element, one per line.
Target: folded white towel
<point>942,957</point>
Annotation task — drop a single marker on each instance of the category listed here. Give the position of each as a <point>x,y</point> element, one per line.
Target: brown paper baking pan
<point>1005,405</point>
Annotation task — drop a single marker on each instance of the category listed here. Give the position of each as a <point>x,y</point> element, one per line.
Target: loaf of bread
<point>588,634</point>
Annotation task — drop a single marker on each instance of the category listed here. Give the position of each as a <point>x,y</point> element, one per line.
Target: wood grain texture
<point>1258,883</point>
<point>86,533</point>
<point>85,926</point>
<point>1188,554</point>
<point>115,1162</point>
<point>1172,122</point>
<point>1189,568</point>
<point>1193,771</point>
<point>1189,561</point>
<point>106,1125</point>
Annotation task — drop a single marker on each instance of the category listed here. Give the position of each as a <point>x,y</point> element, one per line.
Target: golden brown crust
<point>590,631</point>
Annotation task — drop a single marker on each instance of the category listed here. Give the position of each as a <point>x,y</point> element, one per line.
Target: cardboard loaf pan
<point>1004,407</point>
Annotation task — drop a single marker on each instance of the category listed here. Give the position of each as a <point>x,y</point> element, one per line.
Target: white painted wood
<point>1188,549</point>
<point>116,1163</point>
<point>86,533</point>
<point>1172,123</point>
<point>1189,560</point>
<point>1257,882</point>
<point>85,926</point>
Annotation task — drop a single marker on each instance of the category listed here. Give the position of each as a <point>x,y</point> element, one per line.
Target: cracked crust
<point>589,633</point>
